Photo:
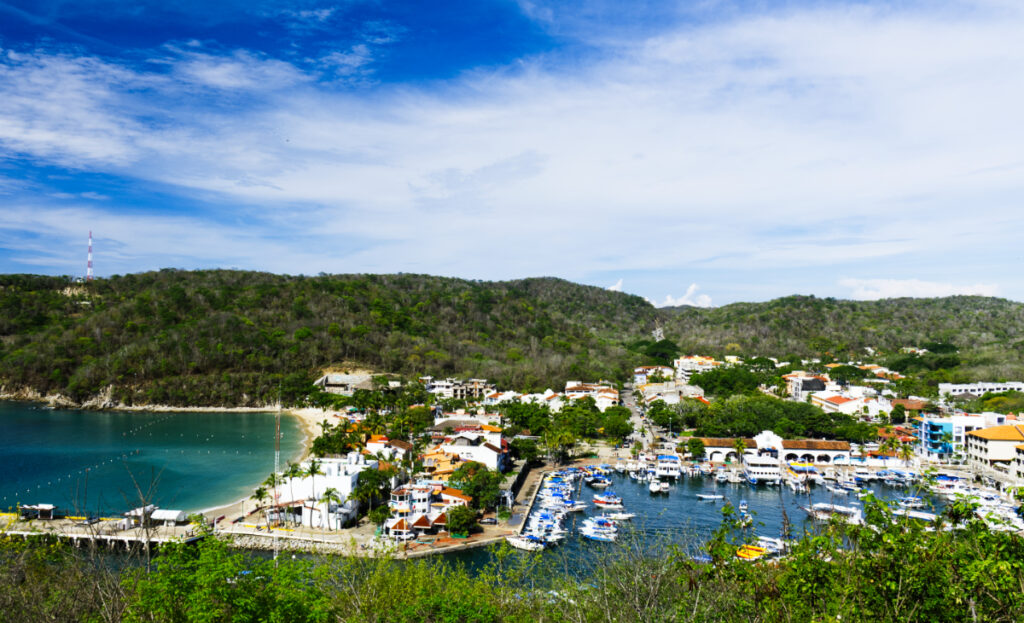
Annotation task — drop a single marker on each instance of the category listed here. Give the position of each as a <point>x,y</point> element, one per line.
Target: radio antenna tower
<point>88,269</point>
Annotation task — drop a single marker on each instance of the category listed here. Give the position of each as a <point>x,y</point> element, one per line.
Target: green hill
<point>231,337</point>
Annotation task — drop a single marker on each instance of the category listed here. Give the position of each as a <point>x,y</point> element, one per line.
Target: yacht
<point>668,466</point>
<point>761,469</point>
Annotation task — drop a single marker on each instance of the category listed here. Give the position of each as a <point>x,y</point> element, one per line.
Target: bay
<point>95,462</point>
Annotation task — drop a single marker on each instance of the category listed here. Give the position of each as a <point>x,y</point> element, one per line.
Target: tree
<point>313,470</point>
<point>478,482</point>
<point>898,415</point>
<point>272,482</point>
<point>740,446</point>
<point>330,496</point>
<point>617,428</point>
<point>525,449</point>
<point>461,519</point>
<point>261,496</point>
<point>379,515</point>
<point>695,446</point>
<point>294,471</point>
<point>373,484</point>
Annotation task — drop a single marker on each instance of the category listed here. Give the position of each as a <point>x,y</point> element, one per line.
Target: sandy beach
<point>309,421</point>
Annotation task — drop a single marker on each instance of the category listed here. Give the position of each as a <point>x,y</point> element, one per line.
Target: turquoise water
<point>95,461</point>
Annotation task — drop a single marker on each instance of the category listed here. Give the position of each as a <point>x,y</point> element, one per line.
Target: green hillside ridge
<point>231,338</point>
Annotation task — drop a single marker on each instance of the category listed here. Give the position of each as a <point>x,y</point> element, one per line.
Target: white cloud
<point>872,289</point>
<point>690,298</point>
<point>616,287</point>
<point>841,139</point>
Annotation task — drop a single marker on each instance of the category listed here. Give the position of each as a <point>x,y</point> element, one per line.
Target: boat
<point>668,466</point>
<point>598,536</point>
<point>608,500</point>
<point>836,490</point>
<point>773,545</point>
<point>710,496</point>
<point>751,552</point>
<point>911,501</point>
<point>721,476</point>
<point>528,545</point>
<point>823,511</point>
<point>620,516</point>
<point>743,506</point>
<point>761,469</point>
<point>664,486</point>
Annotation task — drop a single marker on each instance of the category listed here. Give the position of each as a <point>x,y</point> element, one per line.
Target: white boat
<point>620,516</point>
<point>761,469</point>
<point>654,487</point>
<point>668,466</point>
<point>823,511</point>
<point>524,544</point>
<point>836,490</point>
<point>710,496</point>
<point>911,501</point>
<point>664,486</point>
<point>773,545</point>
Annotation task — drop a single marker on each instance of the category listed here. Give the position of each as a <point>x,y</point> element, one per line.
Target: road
<point>641,430</point>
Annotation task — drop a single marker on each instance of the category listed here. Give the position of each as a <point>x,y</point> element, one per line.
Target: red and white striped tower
<point>88,270</point>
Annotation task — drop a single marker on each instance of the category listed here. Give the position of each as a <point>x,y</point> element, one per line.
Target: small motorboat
<point>710,497</point>
<point>654,487</point>
<point>528,545</point>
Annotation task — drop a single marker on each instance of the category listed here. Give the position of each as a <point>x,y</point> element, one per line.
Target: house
<point>392,449</point>
<point>685,367</point>
<point>671,392</point>
<point>473,389</point>
<point>602,392</point>
<point>344,384</point>
<point>303,497</point>
<point>994,448</point>
<point>642,374</point>
<point>479,447</point>
<point>439,465</point>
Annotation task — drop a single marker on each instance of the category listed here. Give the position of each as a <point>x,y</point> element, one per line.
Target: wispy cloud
<point>872,289</point>
<point>803,142</point>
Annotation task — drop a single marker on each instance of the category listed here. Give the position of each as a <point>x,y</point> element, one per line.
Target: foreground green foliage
<point>885,571</point>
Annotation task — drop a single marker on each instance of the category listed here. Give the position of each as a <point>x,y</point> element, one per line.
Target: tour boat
<point>761,470</point>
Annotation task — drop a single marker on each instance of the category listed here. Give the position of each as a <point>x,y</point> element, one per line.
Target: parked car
<point>489,521</point>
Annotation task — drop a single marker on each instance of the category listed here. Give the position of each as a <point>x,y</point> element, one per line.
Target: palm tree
<point>313,470</point>
<point>330,496</point>
<point>262,496</point>
<point>293,472</point>
<point>740,446</point>
<point>906,452</point>
<point>273,481</point>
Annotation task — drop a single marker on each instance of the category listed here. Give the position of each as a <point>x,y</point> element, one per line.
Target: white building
<point>604,394</point>
<point>642,374</point>
<point>304,495</point>
<point>686,367</point>
<point>670,393</point>
<point>953,390</point>
<point>994,448</point>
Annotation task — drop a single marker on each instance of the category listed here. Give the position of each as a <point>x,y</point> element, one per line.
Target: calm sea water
<point>93,461</point>
<point>680,518</point>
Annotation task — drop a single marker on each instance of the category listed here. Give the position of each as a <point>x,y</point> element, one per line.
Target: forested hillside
<point>232,337</point>
<point>988,332</point>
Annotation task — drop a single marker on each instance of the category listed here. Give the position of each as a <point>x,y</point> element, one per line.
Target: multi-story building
<point>994,448</point>
<point>943,437</point>
<point>688,366</point>
<point>954,390</point>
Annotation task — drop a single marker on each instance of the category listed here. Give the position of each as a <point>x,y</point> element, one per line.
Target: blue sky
<point>698,152</point>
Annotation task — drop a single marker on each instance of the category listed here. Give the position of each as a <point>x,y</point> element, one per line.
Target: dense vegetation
<point>887,571</point>
<point>235,338</point>
<point>746,416</point>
